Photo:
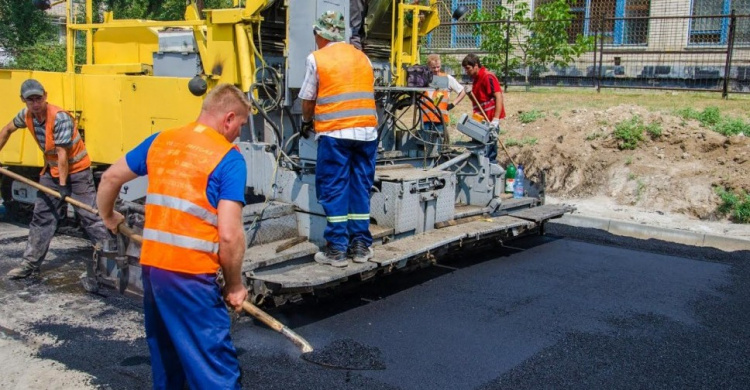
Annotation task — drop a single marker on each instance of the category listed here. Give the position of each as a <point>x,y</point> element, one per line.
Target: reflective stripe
<point>346,96</point>
<point>53,152</point>
<point>79,157</point>
<point>184,206</point>
<point>73,160</point>
<point>359,217</point>
<point>338,219</point>
<point>181,241</point>
<point>345,114</point>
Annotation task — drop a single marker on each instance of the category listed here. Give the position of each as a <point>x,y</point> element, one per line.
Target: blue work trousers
<point>344,174</point>
<point>187,330</point>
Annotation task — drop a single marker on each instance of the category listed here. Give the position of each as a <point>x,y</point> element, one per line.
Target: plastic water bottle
<point>510,177</point>
<point>518,184</point>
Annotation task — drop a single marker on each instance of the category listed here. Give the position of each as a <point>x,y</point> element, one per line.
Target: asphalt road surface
<point>573,309</point>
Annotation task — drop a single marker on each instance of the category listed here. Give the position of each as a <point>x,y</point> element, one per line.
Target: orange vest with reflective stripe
<point>346,94</point>
<point>181,232</point>
<point>78,157</point>
<point>429,109</point>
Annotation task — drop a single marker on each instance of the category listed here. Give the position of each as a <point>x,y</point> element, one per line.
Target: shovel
<point>127,231</point>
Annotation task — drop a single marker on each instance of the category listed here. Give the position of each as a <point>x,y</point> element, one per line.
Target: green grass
<point>526,141</point>
<point>594,135</point>
<point>732,126</point>
<point>640,187</point>
<point>654,130</point>
<point>631,176</point>
<point>530,116</point>
<point>629,133</point>
<point>629,160</point>
<point>712,118</point>
<point>737,205</point>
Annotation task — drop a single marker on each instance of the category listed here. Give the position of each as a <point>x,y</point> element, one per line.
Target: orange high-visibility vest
<point>429,109</point>
<point>181,232</point>
<point>346,94</point>
<point>78,157</point>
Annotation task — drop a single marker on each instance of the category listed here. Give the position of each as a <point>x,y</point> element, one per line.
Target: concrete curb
<point>644,232</point>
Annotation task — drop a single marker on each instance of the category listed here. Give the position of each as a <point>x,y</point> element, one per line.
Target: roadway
<point>574,309</point>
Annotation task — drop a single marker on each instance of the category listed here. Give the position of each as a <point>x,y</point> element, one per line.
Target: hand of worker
<point>65,191</point>
<point>495,123</point>
<point>307,129</point>
<point>234,296</point>
<point>112,221</point>
<point>450,106</point>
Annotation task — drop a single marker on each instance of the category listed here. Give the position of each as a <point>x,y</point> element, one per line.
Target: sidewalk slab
<point>644,232</point>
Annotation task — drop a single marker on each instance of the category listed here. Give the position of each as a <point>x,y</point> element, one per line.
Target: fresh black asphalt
<point>556,312</point>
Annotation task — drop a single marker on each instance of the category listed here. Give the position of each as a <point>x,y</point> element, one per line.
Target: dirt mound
<point>672,172</point>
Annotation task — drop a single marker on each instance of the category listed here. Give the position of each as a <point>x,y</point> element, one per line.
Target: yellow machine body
<point>118,102</point>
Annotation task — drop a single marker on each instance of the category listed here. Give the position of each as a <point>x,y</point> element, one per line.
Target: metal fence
<point>705,53</point>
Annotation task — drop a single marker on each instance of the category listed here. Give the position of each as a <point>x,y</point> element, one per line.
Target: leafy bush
<point>629,132</point>
<point>530,116</point>
<point>654,130</point>
<point>738,205</point>
<point>711,117</point>
<point>732,126</point>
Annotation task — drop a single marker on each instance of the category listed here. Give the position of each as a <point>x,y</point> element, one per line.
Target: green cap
<point>330,26</point>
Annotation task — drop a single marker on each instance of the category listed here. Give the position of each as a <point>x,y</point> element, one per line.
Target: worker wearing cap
<point>488,94</point>
<point>193,227</point>
<point>66,170</point>
<point>440,97</point>
<point>338,94</point>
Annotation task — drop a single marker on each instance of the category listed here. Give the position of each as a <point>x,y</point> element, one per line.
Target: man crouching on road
<point>67,170</point>
<point>338,91</point>
<point>193,227</point>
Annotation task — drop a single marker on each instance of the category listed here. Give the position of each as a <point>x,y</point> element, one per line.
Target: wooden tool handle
<point>274,324</point>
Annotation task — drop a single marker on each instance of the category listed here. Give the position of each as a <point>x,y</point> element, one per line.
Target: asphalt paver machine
<point>431,198</point>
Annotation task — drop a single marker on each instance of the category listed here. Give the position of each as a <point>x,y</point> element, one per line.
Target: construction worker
<point>338,94</point>
<point>67,170</point>
<point>442,97</point>
<point>488,94</point>
<point>193,227</point>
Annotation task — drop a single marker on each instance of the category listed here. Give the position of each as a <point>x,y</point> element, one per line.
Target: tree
<point>22,25</point>
<point>530,41</point>
<point>155,9</point>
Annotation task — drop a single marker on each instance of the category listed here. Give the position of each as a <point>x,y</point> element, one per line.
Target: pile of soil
<point>673,174</point>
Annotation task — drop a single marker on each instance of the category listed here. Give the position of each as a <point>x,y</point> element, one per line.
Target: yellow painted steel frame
<point>115,100</point>
<point>405,38</point>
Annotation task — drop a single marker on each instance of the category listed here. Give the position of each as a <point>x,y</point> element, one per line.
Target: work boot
<point>359,252</point>
<point>332,257</point>
<point>24,270</point>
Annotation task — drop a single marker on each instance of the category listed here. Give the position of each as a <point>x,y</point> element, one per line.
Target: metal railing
<point>701,53</point>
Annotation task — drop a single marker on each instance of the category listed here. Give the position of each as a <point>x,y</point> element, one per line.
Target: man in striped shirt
<point>67,171</point>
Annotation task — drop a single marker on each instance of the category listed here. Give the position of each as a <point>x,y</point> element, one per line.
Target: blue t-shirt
<point>226,182</point>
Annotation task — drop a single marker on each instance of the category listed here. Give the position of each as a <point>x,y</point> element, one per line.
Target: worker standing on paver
<point>442,97</point>
<point>338,93</point>
<point>67,170</point>
<point>193,227</point>
<point>488,96</point>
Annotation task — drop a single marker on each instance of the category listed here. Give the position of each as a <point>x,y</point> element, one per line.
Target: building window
<point>463,35</point>
<point>708,29</point>
<point>592,16</point>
